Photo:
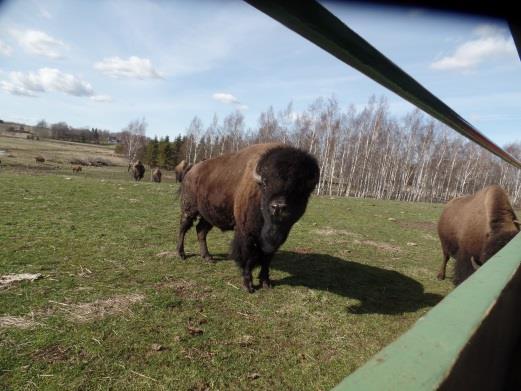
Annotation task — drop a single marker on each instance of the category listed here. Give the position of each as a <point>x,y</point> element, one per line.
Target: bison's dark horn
<point>475,265</point>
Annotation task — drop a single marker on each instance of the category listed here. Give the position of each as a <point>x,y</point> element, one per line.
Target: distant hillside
<point>14,129</point>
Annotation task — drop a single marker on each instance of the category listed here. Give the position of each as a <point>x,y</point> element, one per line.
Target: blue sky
<point>105,63</point>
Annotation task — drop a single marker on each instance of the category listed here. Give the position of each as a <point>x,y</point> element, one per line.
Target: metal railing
<point>318,25</point>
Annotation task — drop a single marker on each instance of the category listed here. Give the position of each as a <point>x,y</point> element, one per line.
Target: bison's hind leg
<point>187,220</point>
<point>202,228</point>
<point>441,273</point>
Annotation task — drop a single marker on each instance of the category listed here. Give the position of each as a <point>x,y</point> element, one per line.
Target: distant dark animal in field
<point>156,175</point>
<point>76,169</point>
<point>474,228</point>
<point>137,170</point>
<point>180,170</point>
<point>259,192</point>
<point>39,159</point>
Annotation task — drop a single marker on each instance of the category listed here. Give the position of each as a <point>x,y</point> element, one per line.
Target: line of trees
<point>63,131</point>
<point>367,152</point>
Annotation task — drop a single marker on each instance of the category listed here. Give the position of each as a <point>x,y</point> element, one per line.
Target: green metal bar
<point>424,357</point>
<point>315,23</point>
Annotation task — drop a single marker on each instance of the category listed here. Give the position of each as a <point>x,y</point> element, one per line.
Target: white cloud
<point>134,67</point>
<point>224,97</point>
<point>491,42</point>
<point>45,80</point>
<point>101,98</point>
<point>40,43</point>
<point>5,49</point>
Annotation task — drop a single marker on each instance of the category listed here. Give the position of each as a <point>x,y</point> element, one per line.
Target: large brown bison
<point>259,192</point>
<point>137,169</point>
<point>156,175</point>
<point>76,169</point>
<point>180,170</point>
<point>39,159</point>
<point>473,228</point>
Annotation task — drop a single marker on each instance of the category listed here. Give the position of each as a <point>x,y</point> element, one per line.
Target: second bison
<point>156,175</point>
<point>259,192</point>
<point>137,170</point>
<point>473,228</point>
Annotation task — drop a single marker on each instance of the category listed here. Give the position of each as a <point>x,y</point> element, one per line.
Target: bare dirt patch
<point>99,309</point>
<point>21,322</point>
<point>328,231</point>
<point>81,313</point>
<point>387,247</point>
<point>9,279</point>
<point>428,226</point>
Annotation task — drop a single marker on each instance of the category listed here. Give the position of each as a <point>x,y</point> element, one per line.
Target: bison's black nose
<point>277,208</point>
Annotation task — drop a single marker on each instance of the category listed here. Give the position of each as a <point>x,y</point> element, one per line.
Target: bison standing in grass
<point>156,175</point>
<point>39,159</point>
<point>473,228</point>
<point>259,192</point>
<point>76,169</point>
<point>137,169</point>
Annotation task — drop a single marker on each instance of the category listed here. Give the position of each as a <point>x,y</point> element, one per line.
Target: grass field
<point>116,309</point>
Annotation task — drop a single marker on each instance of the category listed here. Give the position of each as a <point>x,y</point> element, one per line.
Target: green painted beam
<point>466,333</point>
<point>315,23</point>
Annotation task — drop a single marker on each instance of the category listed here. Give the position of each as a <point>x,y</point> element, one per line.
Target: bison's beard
<point>273,236</point>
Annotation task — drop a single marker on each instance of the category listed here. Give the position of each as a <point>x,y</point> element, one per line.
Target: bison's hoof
<point>249,287</point>
<point>209,259</point>
<point>266,284</point>
<point>181,254</point>
<point>441,276</point>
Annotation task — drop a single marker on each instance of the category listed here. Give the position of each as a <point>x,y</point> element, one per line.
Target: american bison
<point>137,169</point>
<point>259,192</point>
<point>39,159</point>
<point>473,228</point>
<point>180,170</point>
<point>76,169</point>
<point>156,175</point>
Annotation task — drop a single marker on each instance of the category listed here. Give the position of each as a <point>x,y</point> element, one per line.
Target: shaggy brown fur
<point>260,192</point>
<point>137,169</point>
<point>473,228</point>
<point>39,159</point>
<point>76,169</point>
<point>180,170</point>
<point>156,175</point>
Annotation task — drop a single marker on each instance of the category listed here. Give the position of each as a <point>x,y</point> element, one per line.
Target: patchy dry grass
<point>117,310</point>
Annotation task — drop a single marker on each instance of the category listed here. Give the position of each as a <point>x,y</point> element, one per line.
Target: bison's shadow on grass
<point>379,291</point>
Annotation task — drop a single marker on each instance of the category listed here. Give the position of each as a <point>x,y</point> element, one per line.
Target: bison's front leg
<point>264,275</point>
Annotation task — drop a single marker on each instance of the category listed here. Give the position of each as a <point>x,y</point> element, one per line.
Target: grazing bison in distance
<point>473,228</point>
<point>180,170</point>
<point>259,192</point>
<point>156,175</point>
<point>39,159</point>
<point>137,169</point>
<point>76,169</point>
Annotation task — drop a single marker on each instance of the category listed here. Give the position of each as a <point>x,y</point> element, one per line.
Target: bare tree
<point>133,139</point>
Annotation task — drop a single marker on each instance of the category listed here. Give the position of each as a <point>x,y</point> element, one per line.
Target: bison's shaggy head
<point>286,177</point>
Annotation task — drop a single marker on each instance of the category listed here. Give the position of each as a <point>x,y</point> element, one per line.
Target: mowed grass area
<point>117,310</point>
